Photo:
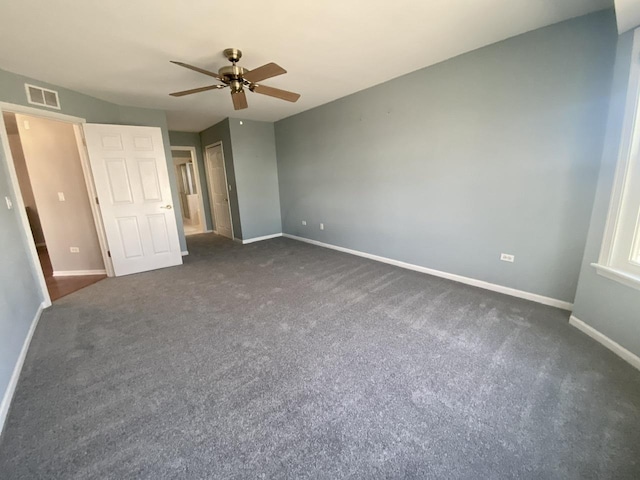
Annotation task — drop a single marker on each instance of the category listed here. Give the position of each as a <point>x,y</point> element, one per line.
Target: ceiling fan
<point>237,78</point>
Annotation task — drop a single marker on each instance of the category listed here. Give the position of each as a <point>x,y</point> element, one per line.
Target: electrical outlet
<point>304,222</point>
<point>505,257</point>
<point>74,249</point>
<point>61,196</point>
<point>322,226</point>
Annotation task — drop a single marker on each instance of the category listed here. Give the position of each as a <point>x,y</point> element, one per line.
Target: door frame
<point>23,221</point>
<point>226,185</point>
<point>196,170</point>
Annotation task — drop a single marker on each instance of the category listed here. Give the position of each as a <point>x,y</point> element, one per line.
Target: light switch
<point>9,203</point>
<point>61,196</point>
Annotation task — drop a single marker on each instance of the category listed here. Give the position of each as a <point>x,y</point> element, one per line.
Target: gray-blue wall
<point>20,297</point>
<point>19,292</point>
<point>256,171</point>
<point>192,139</point>
<point>497,150</point>
<point>610,307</point>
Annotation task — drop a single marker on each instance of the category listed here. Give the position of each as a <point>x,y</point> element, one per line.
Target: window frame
<point>622,230</point>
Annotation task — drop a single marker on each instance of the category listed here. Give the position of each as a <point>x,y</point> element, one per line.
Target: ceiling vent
<point>42,96</point>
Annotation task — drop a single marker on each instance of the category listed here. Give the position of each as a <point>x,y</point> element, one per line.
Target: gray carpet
<point>284,360</point>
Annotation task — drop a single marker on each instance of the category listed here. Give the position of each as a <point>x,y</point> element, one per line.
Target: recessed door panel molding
<point>159,233</point>
<point>130,237</point>
<point>149,179</point>
<point>142,232</point>
<point>118,178</point>
<point>143,143</point>
<point>112,142</point>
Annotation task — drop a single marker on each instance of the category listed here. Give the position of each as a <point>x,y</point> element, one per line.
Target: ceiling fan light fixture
<point>236,86</point>
<point>236,78</point>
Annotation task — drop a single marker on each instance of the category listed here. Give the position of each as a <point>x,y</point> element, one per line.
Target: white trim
<point>38,112</point>
<point>599,337</point>
<point>18,199</point>
<point>196,169</point>
<point>13,382</point>
<point>93,197</point>
<point>258,239</point>
<point>617,275</point>
<point>77,273</point>
<point>534,297</point>
<point>185,253</point>
<point>226,185</point>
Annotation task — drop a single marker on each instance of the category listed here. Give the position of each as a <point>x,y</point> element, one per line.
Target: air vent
<point>42,96</point>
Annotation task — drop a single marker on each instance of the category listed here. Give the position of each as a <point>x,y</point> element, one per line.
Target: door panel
<point>119,185</point>
<point>149,179</point>
<point>130,172</point>
<point>218,188</point>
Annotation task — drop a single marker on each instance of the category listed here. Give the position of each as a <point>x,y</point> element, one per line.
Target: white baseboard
<point>185,253</point>
<point>258,239</point>
<point>534,297</point>
<point>13,382</point>
<point>615,347</point>
<point>76,273</point>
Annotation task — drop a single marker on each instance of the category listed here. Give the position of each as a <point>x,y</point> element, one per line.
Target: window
<point>620,255</point>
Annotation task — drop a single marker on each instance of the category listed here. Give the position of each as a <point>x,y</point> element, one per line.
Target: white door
<point>132,182</point>
<point>218,190</point>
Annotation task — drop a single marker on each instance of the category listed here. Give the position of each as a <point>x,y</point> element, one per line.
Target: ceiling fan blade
<point>239,100</point>
<point>197,69</point>
<point>276,92</point>
<point>196,90</point>
<point>265,71</point>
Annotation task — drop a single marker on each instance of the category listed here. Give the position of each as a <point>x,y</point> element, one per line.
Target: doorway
<point>219,190</point>
<point>188,179</point>
<point>55,195</point>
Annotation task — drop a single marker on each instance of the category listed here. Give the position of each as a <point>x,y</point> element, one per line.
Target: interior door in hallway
<point>132,182</point>
<point>219,193</point>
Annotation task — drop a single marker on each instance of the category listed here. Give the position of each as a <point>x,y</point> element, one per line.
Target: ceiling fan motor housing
<point>233,76</point>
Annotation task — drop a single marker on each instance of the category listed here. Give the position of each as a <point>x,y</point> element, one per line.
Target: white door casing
<point>132,183</point>
<point>218,190</point>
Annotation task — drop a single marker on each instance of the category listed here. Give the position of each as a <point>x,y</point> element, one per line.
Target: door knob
<point>168,207</point>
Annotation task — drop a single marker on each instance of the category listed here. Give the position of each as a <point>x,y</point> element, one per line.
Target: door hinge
<point>109,253</point>
<point>97,201</point>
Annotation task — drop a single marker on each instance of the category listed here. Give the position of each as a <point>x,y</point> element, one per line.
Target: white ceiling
<point>119,50</point>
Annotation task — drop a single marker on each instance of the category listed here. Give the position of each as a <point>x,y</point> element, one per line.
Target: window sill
<point>617,275</point>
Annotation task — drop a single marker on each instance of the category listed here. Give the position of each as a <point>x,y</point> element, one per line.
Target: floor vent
<point>42,96</point>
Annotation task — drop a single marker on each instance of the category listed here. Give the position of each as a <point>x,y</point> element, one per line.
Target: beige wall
<point>54,165</point>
